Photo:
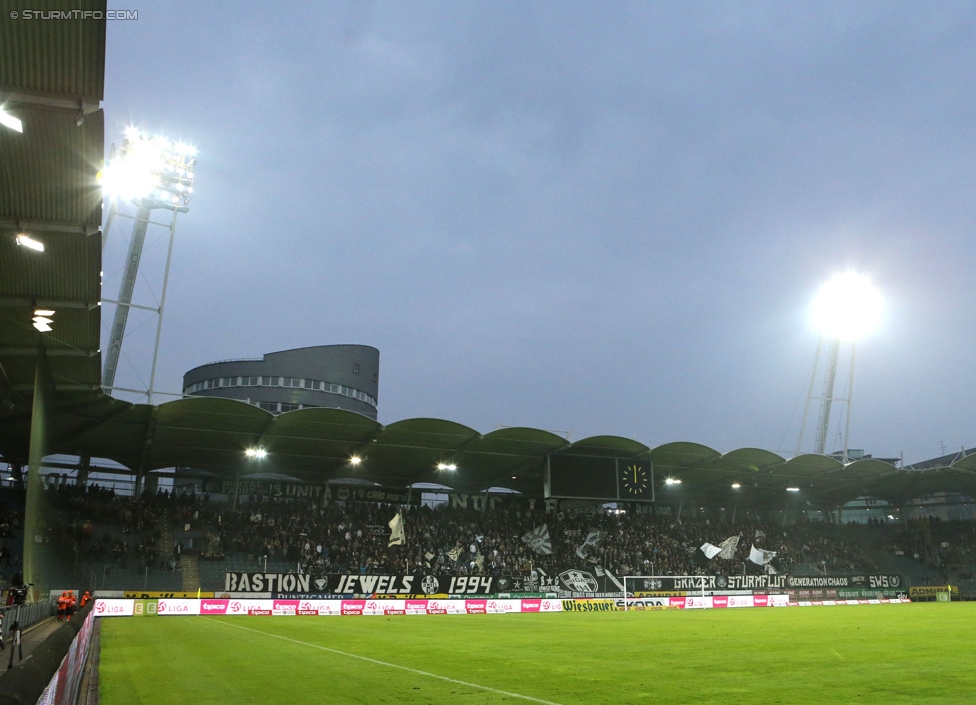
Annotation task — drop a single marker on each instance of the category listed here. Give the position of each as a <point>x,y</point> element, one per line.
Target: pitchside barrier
<point>52,673</point>
<point>659,589</point>
<point>113,607</point>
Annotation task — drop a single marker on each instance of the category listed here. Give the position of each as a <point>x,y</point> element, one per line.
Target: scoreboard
<point>610,479</point>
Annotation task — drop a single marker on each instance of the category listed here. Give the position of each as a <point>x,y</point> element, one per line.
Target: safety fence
<point>27,614</point>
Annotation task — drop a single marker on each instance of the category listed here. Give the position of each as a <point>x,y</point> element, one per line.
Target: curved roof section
<point>681,455</point>
<point>966,463</point>
<point>613,446</point>
<point>211,434</point>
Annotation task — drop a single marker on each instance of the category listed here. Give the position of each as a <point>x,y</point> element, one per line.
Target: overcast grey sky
<point>600,218</point>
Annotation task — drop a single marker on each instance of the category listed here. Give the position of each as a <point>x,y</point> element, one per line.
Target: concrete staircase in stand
<point>191,572</point>
<point>166,542</point>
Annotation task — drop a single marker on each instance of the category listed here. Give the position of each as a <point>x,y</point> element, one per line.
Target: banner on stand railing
<point>355,584</point>
<point>712,583</point>
<point>586,581</point>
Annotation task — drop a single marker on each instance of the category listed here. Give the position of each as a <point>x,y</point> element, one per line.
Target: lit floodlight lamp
<point>736,485</point>
<point>446,466</point>
<point>847,307</point>
<point>10,121</point>
<point>792,489</point>
<point>256,453</point>
<point>150,168</point>
<point>29,243</point>
<point>355,460</point>
<point>672,481</point>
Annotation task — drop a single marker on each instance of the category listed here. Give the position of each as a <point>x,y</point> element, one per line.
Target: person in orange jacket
<point>85,598</point>
<point>72,604</point>
<point>62,605</point>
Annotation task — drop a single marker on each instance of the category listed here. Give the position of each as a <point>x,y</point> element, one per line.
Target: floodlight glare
<point>672,481</point>
<point>29,243</point>
<point>847,307</point>
<point>355,460</point>
<point>150,168</point>
<point>446,466</point>
<point>736,485</point>
<point>792,489</point>
<point>10,121</point>
<point>257,453</point>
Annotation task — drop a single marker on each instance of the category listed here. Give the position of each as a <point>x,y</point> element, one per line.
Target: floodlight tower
<point>845,309</point>
<point>151,173</point>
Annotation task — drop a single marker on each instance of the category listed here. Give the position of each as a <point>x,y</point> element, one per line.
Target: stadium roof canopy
<point>51,78</point>
<point>210,436</point>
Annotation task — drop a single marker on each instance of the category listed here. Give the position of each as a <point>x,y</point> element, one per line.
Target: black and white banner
<point>763,582</point>
<point>300,490</point>
<point>585,581</point>
<point>354,584</point>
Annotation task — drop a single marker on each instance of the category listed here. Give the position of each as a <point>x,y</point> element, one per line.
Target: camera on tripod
<point>20,593</point>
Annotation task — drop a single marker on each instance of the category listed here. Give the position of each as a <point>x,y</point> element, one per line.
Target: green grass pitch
<point>919,653</point>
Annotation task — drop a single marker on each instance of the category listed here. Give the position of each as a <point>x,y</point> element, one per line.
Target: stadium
<point>264,538</point>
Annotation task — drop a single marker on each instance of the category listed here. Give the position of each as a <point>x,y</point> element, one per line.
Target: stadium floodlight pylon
<point>150,173</point>
<point>652,580</point>
<point>845,309</point>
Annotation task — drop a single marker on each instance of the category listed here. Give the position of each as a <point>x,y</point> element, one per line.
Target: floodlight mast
<point>847,307</point>
<point>827,398</point>
<point>151,173</point>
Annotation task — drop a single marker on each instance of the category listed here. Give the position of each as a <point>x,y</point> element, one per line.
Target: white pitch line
<point>386,663</point>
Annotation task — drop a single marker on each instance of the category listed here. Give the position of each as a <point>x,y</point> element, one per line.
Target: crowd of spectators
<point>128,529</point>
<point>353,536</point>
<point>101,528</point>
<point>946,548</point>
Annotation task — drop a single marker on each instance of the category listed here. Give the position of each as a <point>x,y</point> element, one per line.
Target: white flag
<point>591,545</point>
<point>397,536</point>
<point>710,551</point>
<point>538,540</point>
<point>728,547</point>
<point>455,553</point>
<point>759,556</point>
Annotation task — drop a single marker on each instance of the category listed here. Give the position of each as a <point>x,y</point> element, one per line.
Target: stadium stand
<point>116,542</point>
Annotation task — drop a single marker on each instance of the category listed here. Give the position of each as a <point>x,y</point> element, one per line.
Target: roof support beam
<point>49,226</point>
<point>26,96</point>
<point>61,387</point>
<point>26,351</point>
<point>57,304</point>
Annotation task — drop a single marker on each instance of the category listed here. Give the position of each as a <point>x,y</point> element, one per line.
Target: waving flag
<point>728,547</point>
<point>710,550</point>
<point>761,557</point>
<point>397,535</point>
<point>588,550</point>
<point>455,553</point>
<point>538,540</point>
